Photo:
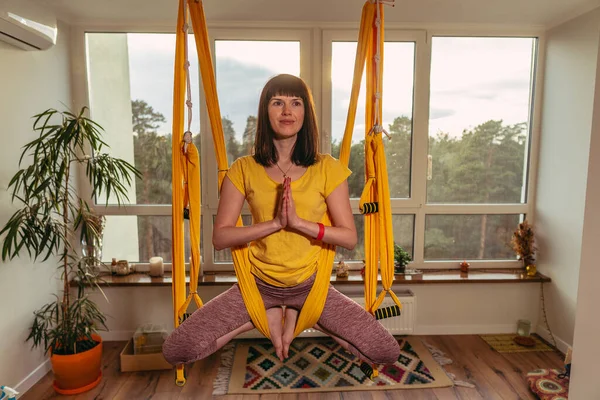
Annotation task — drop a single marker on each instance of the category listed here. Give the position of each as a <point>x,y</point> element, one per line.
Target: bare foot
<point>291,316</point>
<point>275,320</point>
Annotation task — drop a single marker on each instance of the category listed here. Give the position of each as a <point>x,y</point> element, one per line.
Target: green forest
<point>485,165</point>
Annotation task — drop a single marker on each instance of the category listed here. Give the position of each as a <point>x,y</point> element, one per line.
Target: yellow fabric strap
<point>178,285</point>
<point>186,190</point>
<point>192,190</point>
<point>364,38</point>
<point>379,235</point>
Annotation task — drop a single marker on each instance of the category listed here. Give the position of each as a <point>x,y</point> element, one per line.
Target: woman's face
<point>286,115</point>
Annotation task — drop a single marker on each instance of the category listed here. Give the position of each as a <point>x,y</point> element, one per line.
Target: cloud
<point>339,112</point>
<point>239,87</point>
<point>488,90</point>
<point>238,84</point>
<point>438,113</point>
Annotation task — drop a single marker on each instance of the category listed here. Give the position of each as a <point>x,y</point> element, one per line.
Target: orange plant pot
<point>77,373</point>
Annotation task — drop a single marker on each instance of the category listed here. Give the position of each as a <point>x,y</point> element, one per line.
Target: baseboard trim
<point>545,334</point>
<point>34,377</point>
<point>463,329</point>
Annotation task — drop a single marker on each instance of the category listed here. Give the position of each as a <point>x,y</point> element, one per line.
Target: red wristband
<point>321,231</point>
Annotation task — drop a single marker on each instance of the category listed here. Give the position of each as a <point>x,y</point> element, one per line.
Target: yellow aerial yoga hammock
<point>186,178</point>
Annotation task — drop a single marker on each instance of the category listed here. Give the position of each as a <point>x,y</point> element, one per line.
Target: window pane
<point>479,119</point>
<point>403,235</point>
<point>137,238</point>
<point>224,256</point>
<point>398,77</point>
<point>470,237</point>
<point>243,68</point>
<point>130,79</point>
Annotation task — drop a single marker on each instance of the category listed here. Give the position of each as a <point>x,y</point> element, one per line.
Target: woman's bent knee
<point>182,349</point>
<point>383,348</point>
<point>387,352</point>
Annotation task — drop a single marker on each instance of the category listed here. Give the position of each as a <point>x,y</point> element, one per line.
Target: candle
<point>523,327</point>
<point>156,266</point>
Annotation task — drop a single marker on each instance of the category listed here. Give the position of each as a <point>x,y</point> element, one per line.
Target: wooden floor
<point>495,376</point>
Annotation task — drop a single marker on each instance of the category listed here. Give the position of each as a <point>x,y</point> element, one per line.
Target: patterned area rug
<point>548,384</point>
<point>321,365</point>
<point>505,344</point>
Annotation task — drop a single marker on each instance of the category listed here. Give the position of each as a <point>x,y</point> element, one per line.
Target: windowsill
<point>354,278</point>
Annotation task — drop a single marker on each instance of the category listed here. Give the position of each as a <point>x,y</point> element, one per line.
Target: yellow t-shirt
<point>286,258</point>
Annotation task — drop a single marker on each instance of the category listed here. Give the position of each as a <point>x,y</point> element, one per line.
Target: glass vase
<point>92,252</point>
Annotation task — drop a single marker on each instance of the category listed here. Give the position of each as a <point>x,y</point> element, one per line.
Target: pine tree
<point>249,135</point>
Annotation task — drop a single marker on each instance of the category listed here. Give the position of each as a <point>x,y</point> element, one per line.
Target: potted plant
<point>401,259</point>
<point>50,214</point>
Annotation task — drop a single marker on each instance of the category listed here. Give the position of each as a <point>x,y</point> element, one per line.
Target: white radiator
<point>403,324</point>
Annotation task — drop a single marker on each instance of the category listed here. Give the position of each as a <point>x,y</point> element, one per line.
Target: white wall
<point>586,352</point>
<point>30,83</point>
<point>442,308</point>
<point>572,52</point>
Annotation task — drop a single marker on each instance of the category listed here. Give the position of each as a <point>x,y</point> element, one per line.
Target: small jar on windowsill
<point>122,268</point>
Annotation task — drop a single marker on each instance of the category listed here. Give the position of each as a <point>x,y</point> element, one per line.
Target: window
<point>398,107</point>
<point>461,196</point>
<point>458,111</point>
<point>479,130</point>
<point>130,89</point>
<point>479,119</point>
<point>136,116</point>
<point>398,66</point>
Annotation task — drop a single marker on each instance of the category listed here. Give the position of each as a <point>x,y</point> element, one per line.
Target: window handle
<point>429,167</point>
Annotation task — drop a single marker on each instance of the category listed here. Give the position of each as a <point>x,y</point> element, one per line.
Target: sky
<point>473,80</point>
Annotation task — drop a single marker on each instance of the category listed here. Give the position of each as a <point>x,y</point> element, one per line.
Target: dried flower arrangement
<point>523,243</point>
<point>464,266</point>
<point>92,224</point>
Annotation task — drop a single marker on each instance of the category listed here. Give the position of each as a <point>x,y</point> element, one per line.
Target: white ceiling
<point>545,13</point>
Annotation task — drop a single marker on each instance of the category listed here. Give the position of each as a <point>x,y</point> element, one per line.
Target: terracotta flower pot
<point>77,373</point>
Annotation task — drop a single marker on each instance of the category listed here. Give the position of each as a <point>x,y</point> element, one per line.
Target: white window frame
<point>315,59</point>
<point>416,204</point>
<point>411,204</point>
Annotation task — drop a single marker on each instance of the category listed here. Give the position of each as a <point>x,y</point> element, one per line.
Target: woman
<point>288,186</point>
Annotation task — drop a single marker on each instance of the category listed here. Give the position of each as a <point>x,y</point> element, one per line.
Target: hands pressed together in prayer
<point>286,213</point>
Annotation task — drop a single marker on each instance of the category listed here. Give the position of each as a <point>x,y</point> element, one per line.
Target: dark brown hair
<point>307,141</point>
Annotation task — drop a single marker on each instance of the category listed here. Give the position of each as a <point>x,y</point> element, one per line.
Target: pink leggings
<point>196,338</point>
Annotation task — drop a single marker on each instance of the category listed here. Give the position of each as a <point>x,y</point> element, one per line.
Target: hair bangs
<point>286,85</point>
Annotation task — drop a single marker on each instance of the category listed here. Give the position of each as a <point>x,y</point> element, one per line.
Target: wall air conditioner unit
<point>27,26</point>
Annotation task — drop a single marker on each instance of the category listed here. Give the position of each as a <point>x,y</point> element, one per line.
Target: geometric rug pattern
<point>505,344</point>
<point>321,364</point>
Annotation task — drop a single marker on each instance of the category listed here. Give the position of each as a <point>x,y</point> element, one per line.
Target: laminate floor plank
<point>495,376</point>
